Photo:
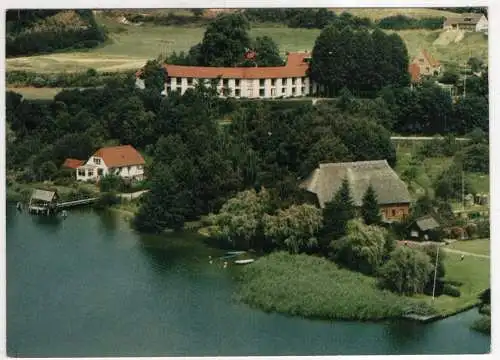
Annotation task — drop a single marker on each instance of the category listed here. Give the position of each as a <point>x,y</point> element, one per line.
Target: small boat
<point>235,252</point>
<point>244,262</point>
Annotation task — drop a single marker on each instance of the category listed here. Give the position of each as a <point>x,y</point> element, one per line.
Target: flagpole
<point>435,273</point>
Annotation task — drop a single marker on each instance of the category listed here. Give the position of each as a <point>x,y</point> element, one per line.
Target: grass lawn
<point>479,246</point>
<point>36,93</point>
<point>474,274</point>
<point>130,46</point>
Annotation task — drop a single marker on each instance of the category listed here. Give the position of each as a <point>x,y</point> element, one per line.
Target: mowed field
<point>130,46</point>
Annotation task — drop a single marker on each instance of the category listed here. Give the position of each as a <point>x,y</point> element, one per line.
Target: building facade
<point>290,80</point>
<point>467,22</point>
<point>424,64</point>
<point>123,161</point>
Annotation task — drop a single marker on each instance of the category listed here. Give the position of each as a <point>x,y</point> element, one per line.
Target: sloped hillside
<point>32,32</point>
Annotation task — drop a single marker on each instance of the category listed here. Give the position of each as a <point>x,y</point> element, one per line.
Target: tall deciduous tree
<point>370,210</point>
<point>407,271</point>
<point>294,228</point>
<point>362,248</point>
<point>225,41</point>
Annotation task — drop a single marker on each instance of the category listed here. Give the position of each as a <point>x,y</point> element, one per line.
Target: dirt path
<point>465,253</point>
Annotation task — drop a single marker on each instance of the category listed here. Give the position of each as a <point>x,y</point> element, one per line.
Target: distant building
<point>424,228</point>
<point>43,201</point>
<point>246,82</point>
<point>424,64</point>
<point>123,161</point>
<point>72,163</point>
<point>392,193</point>
<point>476,22</point>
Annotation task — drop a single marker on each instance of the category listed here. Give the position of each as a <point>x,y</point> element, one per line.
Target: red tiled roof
<point>414,71</point>
<point>116,156</point>
<point>295,67</point>
<point>73,163</point>
<point>429,58</point>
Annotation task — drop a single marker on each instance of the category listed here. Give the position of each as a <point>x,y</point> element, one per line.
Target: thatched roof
<point>326,180</point>
<point>463,19</point>
<point>427,223</point>
<point>43,195</point>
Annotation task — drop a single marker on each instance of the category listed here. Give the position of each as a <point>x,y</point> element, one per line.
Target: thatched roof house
<point>392,192</point>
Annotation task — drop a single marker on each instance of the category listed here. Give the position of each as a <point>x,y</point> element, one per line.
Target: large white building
<point>123,161</point>
<point>289,80</point>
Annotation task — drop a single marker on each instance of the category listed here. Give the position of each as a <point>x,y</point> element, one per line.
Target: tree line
<point>29,32</point>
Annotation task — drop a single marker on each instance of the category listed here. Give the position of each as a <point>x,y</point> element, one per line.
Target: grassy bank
<point>430,168</point>
<point>316,288</point>
<point>129,46</point>
<point>472,275</point>
<point>22,191</point>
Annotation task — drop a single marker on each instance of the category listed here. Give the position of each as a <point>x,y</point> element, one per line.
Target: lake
<point>90,286</point>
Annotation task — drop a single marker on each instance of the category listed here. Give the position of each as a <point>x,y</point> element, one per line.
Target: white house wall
<point>132,171</point>
<point>251,88</point>
<point>482,24</point>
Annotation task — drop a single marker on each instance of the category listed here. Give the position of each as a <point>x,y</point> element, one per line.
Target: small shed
<point>43,201</point>
<point>424,228</point>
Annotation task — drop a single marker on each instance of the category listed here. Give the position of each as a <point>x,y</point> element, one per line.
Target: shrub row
<point>402,22</point>
<point>87,78</point>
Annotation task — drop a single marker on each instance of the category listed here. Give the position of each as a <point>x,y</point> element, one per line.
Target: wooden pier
<point>45,202</point>
<point>68,204</point>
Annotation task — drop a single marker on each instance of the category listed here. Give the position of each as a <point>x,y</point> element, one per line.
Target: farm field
<point>130,46</point>
<point>379,13</point>
<point>32,93</point>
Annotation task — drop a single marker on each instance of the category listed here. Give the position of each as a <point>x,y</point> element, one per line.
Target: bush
<point>450,290</point>
<point>482,325</point>
<point>401,22</point>
<point>107,199</point>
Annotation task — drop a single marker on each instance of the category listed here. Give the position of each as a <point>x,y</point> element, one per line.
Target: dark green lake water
<point>89,286</point>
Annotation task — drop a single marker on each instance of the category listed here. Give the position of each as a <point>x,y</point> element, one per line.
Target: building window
<point>293,81</point>
<point>427,69</point>
<point>294,91</point>
<point>273,82</point>
<point>393,212</point>
<point>237,82</point>
<point>250,92</point>
<point>100,171</point>
<point>303,80</point>
<point>302,90</point>
<point>90,173</point>
<point>283,90</point>
<point>262,82</point>
<point>81,172</point>
<point>285,82</point>
<point>273,92</point>
<point>261,93</point>
<point>225,82</point>
<point>190,81</point>
<point>421,61</point>
<point>97,161</point>
<point>237,92</point>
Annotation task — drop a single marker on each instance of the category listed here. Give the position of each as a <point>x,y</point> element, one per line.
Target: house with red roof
<point>124,161</point>
<point>246,82</point>
<point>72,163</point>
<point>427,65</point>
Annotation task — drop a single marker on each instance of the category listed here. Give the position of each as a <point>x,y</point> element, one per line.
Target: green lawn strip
<point>474,275</point>
<point>317,288</point>
<point>479,246</point>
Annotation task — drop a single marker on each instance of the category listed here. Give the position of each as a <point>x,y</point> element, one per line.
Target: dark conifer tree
<point>370,210</point>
